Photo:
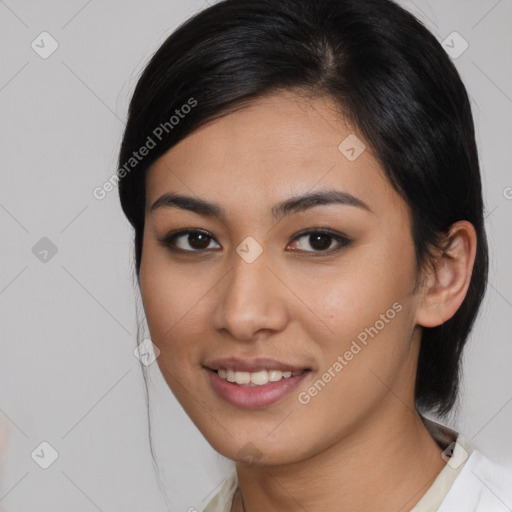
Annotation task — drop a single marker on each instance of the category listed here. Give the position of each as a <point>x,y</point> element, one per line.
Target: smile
<point>259,378</point>
<point>253,390</point>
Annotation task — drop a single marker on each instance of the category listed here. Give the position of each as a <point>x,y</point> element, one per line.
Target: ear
<point>446,285</point>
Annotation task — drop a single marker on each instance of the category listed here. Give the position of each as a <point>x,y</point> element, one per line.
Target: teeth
<point>275,375</point>
<point>259,378</point>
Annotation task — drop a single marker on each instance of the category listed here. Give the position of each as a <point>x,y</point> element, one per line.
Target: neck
<point>385,464</point>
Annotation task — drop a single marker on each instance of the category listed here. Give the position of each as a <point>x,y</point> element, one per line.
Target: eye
<point>198,239</point>
<point>322,241</point>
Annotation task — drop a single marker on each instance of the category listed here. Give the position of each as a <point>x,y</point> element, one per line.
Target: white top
<point>469,482</point>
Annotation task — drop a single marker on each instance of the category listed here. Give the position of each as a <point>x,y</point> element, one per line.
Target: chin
<point>258,450</point>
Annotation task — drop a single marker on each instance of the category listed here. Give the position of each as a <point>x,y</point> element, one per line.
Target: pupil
<point>203,242</point>
<point>323,238</point>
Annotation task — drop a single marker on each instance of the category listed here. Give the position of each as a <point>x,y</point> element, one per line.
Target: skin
<point>358,444</point>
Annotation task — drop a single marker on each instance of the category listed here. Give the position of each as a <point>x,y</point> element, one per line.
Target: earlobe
<point>446,285</point>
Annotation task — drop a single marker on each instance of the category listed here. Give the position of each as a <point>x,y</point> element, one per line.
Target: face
<point>323,288</point>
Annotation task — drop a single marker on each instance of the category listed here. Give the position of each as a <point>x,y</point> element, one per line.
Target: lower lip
<point>254,397</point>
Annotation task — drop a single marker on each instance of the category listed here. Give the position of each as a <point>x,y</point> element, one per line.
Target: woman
<point>303,181</point>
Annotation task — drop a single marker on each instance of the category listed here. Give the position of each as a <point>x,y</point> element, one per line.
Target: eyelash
<point>169,240</point>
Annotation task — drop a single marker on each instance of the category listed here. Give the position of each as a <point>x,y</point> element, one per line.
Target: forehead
<point>276,146</point>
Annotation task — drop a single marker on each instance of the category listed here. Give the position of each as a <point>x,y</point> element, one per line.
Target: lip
<point>254,397</point>
<point>252,364</point>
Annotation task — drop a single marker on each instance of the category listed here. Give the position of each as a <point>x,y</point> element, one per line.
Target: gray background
<point>68,375</point>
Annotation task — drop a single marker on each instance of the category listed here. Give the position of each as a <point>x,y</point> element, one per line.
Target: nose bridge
<point>250,299</point>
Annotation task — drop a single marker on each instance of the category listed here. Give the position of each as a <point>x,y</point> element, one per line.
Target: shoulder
<point>481,486</point>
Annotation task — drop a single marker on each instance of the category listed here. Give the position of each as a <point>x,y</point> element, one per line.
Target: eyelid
<point>169,238</point>
<point>342,239</point>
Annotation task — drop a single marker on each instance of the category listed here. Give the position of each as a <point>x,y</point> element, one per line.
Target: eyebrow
<point>280,210</point>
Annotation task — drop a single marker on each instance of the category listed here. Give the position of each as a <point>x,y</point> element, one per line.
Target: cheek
<point>366,324</point>
<point>170,308</point>
<point>346,302</point>
<point>177,309</point>
<point>371,354</point>
<point>167,291</point>
<point>367,308</point>
<point>165,300</point>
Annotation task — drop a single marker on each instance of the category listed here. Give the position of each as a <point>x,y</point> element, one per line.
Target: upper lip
<point>252,364</point>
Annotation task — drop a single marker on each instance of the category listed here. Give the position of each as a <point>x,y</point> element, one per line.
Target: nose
<point>251,300</point>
